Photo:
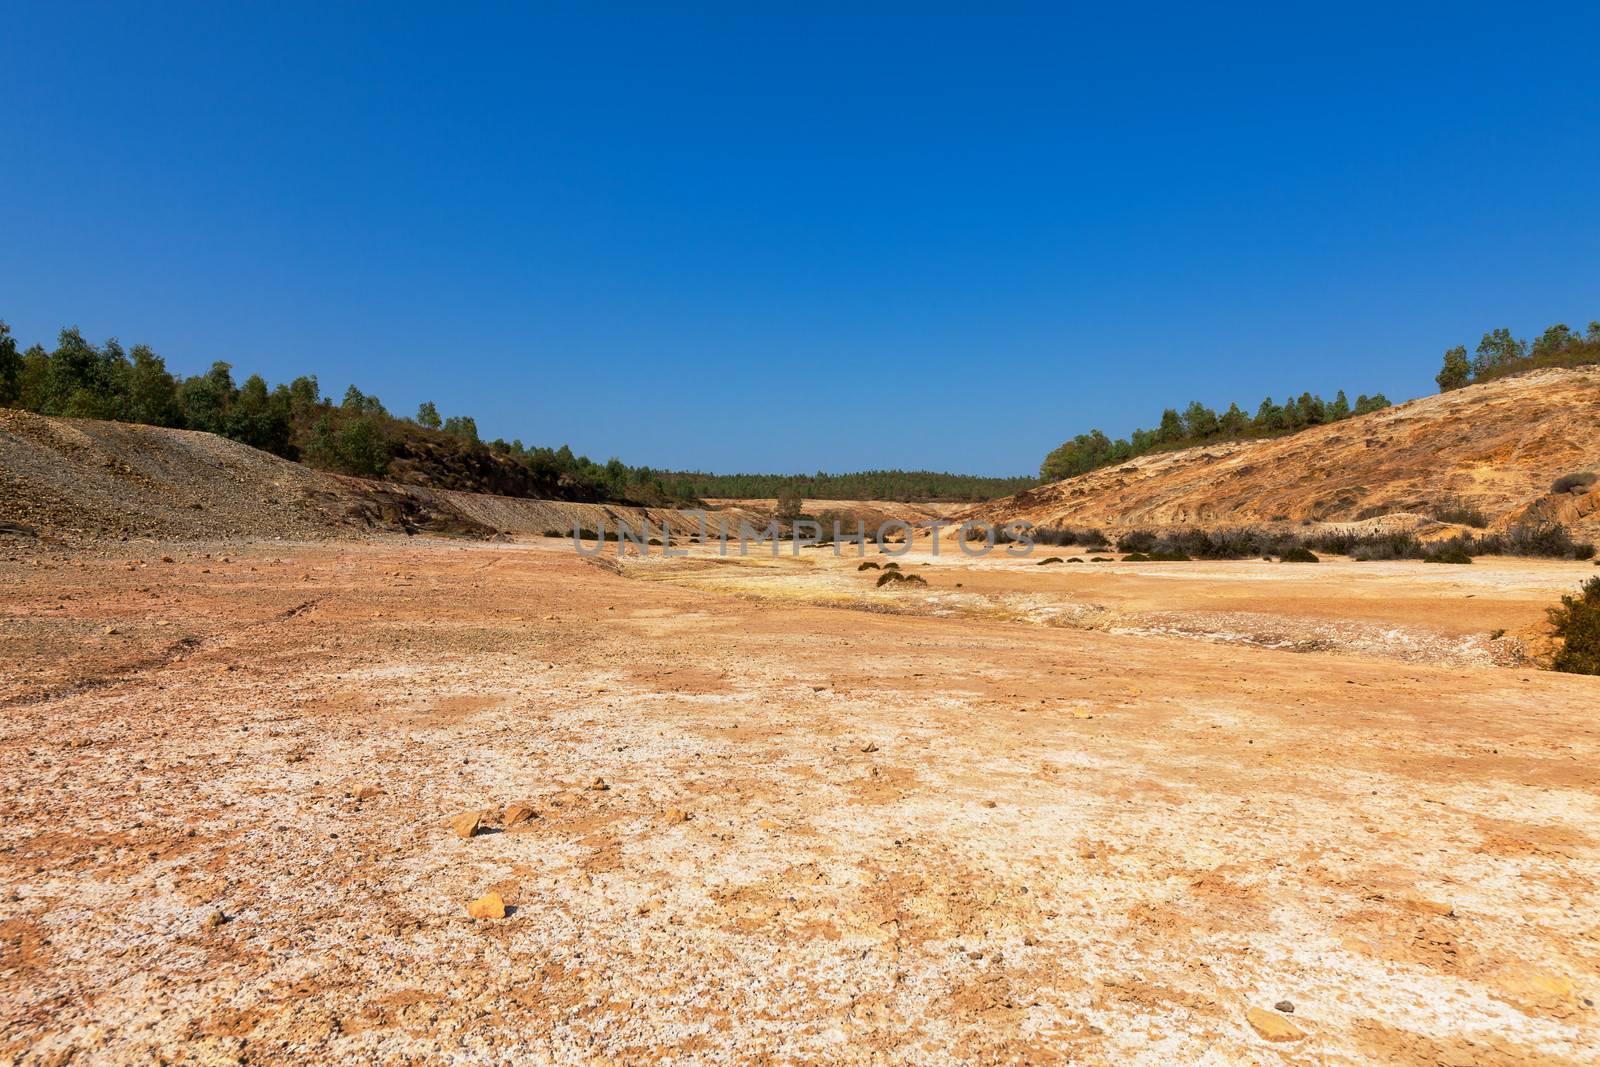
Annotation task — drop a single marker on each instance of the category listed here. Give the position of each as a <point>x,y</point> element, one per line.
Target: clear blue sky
<point>739,242</point>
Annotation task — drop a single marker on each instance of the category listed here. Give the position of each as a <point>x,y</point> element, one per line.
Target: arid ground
<point>1083,813</point>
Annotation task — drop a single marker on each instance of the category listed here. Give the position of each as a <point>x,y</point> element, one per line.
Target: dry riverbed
<point>767,830</point>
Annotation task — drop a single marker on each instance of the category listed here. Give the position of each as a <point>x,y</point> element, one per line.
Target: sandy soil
<point>826,835</point>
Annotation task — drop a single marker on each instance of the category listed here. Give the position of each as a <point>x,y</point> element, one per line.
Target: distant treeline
<point>866,485</point>
<point>1197,425</point>
<point>1499,354</point>
<point>356,435</point>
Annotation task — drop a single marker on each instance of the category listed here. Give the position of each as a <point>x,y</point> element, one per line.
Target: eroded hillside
<point>1496,447</point>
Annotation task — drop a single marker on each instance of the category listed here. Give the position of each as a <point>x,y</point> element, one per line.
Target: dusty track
<point>910,839</point>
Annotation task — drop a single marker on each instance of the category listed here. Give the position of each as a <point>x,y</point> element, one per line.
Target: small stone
<point>466,824</point>
<point>869,747</point>
<point>676,816</point>
<point>166,559</point>
<point>110,631</point>
<point>1273,1027</point>
<point>599,785</point>
<point>1082,713</point>
<point>519,813</point>
<point>215,919</point>
<point>769,824</point>
<point>489,906</point>
<point>989,804</point>
<point>366,791</point>
<point>1435,907</point>
<point>1285,1006</point>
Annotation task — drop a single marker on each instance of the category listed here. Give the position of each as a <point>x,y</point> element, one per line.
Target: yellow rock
<point>489,906</point>
<point>465,824</point>
<point>1272,1026</point>
<point>519,813</point>
<point>1082,713</point>
<point>676,815</point>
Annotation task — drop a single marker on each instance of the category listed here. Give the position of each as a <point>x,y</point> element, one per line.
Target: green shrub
<point>891,566</point>
<point>1568,482</point>
<point>1052,559</point>
<point>869,565</point>
<point>554,533</point>
<point>1136,541</point>
<point>1168,555</point>
<point>1102,559</point>
<point>1136,557</point>
<point>1297,554</point>
<point>1447,552</point>
<point>1075,559</point>
<point>1577,624</point>
<point>890,576</point>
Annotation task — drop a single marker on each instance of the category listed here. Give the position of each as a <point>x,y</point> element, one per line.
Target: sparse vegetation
<point>1198,425</point>
<point>1050,559</point>
<point>1297,554</point>
<point>889,577</point>
<point>869,565</point>
<point>1501,355</point>
<point>1461,514</point>
<point>1577,624</point>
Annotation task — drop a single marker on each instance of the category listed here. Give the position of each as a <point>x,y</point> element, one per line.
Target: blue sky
<point>729,241</point>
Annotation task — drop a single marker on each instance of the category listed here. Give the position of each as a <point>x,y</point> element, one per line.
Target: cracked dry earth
<point>228,780</point>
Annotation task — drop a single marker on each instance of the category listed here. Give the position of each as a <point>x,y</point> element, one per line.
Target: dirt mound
<point>82,478</point>
<point>1495,448</point>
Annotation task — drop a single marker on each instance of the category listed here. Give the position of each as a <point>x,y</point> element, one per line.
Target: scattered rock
<point>676,816</point>
<point>366,791</point>
<point>1273,1027</point>
<point>769,824</point>
<point>1285,1006</point>
<point>869,747</point>
<point>489,906</point>
<point>519,813</point>
<point>599,785</point>
<point>989,804</point>
<point>466,824</point>
<point>215,919</point>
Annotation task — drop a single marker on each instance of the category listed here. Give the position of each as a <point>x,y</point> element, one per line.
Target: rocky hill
<point>1496,448</point>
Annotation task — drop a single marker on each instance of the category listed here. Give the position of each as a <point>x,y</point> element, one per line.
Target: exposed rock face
<point>1497,447</point>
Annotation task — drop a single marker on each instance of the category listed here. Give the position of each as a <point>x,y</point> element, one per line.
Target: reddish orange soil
<point>825,835</point>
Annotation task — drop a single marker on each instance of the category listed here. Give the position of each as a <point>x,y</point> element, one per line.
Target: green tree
<point>428,415</point>
<point>1553,341</point>
<point>1456,372</point>
<point>1171,429</point>
<point>152,391</point>
<point>1498,349</point>
<point>1199,421</point>
<point>81,381</point>
<point>1340,408</point>
<point>206,398</point>
<point>10,367</point>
